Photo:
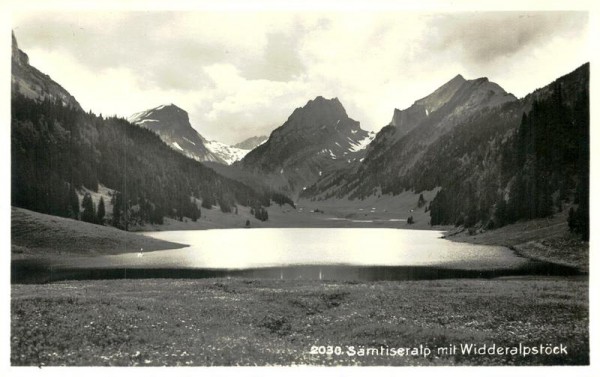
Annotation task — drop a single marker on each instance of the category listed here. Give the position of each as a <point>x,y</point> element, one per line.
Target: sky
<point>242,73</point>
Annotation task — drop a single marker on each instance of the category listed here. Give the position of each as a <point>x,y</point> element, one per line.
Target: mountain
<point>525,160</point>
<point>413,129</point>
<point>400,144</point>
<point>494,159</point>
<point>450,104</point>
<point>31,83</point>
<point>251,143</point>
<point>315,140</point>
<point>172,124</point>
<point>58,150</point>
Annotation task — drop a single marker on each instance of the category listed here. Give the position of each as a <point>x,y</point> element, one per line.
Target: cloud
<point>241,74</point>
<point>163,49</point>
<point>280,60</point>
<point>482,38</point>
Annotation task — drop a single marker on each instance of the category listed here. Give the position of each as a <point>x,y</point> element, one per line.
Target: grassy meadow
<point>273,322</point>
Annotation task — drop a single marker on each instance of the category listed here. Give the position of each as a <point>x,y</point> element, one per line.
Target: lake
<point>307,253</point>
<point>256,248</point>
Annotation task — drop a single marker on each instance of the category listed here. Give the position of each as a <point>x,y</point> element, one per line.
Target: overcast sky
<point>241,74</point>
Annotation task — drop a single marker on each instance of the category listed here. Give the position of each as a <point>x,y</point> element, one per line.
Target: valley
<point>468,155</point>
<point>469,158</point>
<point>137,241</point>
<point>380,212</point>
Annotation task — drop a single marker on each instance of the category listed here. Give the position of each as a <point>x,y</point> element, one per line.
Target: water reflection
<point>38,273</point>
<point>313,254</point>
<point>256,248</point>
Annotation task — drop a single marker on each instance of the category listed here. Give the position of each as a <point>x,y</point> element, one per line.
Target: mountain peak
<point>454,99</point>
<point>316,139</point>
<point>169,113</point>
<point>320,100</point>
<point>18,56</point>
<point>30,82</point>
<point>172,124</point>
<point>319,111</point>
<point>451,85</point>
<point>170,107</point>
<point>323,99</point>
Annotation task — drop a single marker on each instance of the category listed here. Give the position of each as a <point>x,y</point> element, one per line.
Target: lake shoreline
<point>545,240</point>
<point>341,254</point>
<point>38,238</point>
<point>31,272</point>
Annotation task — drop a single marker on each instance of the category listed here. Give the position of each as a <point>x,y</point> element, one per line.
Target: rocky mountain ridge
<point>31,83</point>
<point>399,145</point>
<point>172,124</point>
<point>316,139</point>
<point>251,143</point>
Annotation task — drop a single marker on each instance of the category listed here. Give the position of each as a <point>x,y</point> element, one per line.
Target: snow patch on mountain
<point>142,116</point>
<point>227,153</point>
<point>363,143</point>
<point>172,124</point>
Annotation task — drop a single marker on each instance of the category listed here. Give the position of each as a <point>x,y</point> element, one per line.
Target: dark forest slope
<point>56,149</point>
<point>518,159</point>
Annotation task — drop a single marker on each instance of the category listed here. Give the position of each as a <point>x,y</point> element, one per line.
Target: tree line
<point>57,151</point>
<point>526,159</point>
<point>533,171</point>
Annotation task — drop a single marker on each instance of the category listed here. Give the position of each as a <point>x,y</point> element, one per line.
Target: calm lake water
<point>306,253</point>
<point>255,248</point>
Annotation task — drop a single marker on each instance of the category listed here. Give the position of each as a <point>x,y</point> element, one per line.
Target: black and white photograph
<point>249,184</point>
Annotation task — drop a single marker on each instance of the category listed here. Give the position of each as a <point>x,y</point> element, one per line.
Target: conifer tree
<point>101,212</point>
<point>421,201</point>
<point>88,214</point>
<point>116,215</point>
<point>73,203</point>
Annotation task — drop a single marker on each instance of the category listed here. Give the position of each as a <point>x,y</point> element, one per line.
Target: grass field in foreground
<point>272,322</point>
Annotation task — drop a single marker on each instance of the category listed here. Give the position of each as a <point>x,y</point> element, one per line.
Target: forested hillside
<point>57,150</point>
<point>524,161</point>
